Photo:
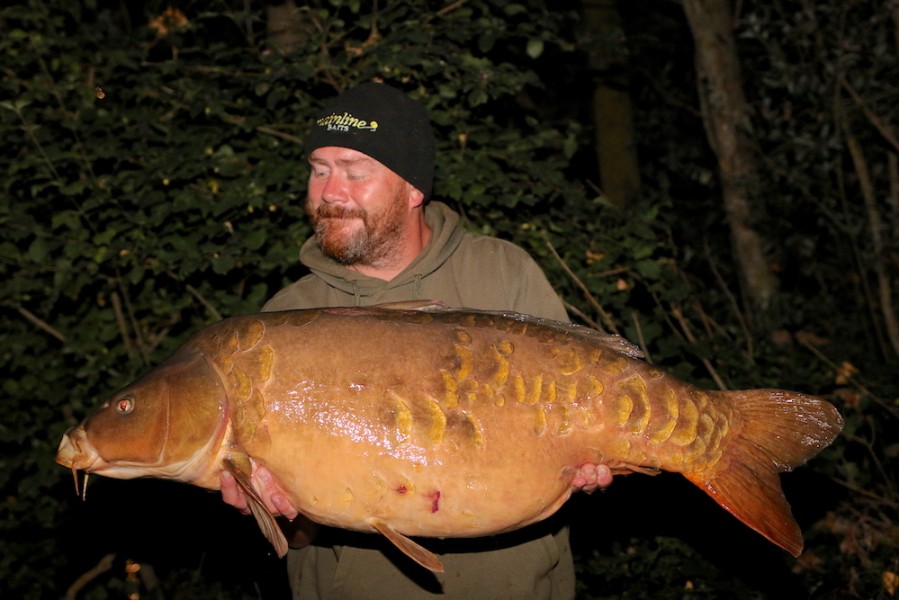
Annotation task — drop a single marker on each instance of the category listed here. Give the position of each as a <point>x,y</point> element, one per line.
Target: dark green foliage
<point>155,181</point>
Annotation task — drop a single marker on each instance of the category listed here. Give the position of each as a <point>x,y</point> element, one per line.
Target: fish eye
<point>124,405</point>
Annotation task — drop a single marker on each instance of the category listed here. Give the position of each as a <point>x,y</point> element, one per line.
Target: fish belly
<point>417,488</point>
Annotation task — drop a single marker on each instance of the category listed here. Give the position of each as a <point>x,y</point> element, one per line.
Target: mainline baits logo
<point>345,123</point>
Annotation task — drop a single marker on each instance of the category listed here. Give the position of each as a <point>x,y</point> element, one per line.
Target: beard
<point>358,237</point>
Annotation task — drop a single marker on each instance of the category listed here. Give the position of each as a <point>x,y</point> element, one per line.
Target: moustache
<point>335,212</point>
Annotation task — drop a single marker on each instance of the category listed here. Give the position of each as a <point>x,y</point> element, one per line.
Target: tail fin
<point>774,431</point>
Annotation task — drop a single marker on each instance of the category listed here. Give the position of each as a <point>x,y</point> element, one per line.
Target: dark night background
<point>716,181</point>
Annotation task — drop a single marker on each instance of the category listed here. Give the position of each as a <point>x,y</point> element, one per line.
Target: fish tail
<point>772,431</point>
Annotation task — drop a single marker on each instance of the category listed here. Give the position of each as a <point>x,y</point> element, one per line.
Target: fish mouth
<point>74,452</point>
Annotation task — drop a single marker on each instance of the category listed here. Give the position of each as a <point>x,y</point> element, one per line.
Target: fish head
<point>168,424</point>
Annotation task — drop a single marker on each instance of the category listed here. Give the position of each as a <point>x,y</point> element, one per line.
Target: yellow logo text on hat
<point>345,122</point>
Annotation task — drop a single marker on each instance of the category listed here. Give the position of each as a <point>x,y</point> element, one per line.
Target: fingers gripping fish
<point>441,423</point>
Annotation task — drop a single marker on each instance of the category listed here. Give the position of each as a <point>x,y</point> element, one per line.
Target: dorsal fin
<point>422,305</point>
<point>609,341</point>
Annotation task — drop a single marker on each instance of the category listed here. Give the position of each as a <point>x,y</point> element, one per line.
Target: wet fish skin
<point>442,423</point>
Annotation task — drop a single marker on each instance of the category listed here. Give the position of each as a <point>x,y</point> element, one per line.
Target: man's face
<point>358,207</point>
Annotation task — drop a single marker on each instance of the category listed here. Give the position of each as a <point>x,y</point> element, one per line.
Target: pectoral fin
<point>264,517</point>
<point>418,553</point>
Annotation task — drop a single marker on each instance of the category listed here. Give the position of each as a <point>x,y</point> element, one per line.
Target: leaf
<point>512,10</point>
<point>222,264</point>
<point>534,48</point>
<point>105,237</point>
<point>255,239</point>
<point>38,249</point>
<point>15,105</point>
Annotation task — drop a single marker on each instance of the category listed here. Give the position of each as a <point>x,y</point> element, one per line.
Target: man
<point>371,153</point>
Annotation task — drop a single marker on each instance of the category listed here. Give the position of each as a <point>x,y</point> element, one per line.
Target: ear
<point>415,196</point>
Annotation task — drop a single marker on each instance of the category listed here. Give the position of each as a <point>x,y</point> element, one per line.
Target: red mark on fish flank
<point>401,490</point>
<point>435,501</point>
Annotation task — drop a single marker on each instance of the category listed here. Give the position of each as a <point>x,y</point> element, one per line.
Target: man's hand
<point>590,477</point>
<point>299,530</point>
<point>268,488</point>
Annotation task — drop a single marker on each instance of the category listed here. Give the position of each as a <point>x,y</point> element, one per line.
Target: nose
<point>333,190</point>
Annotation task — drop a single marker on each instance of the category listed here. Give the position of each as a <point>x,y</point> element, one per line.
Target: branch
<point>157,337</point>
<point>46,327</point>
<point>120,321</point>
<point>896,25</point>
<point>640,340</point>
<point>688,333</point>
<point>735,306</point>
<point>806,343</point>
<point>139,340</point>
<point>199,296</point>
<point>590,298</point>
<point>29,133</point>
<point>279,134</point>
<point>874,226</point>
<point>893,170</point>
<point>449,8</point>
<point>101,567</point>
<point>571,308</point>
<point>82,151</point>
<point>41,324</point>
<point>208,305</point>
<point>862,491</point>
<point>878,124</point>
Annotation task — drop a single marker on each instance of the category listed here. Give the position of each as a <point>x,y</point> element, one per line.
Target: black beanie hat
<point>383,123</point>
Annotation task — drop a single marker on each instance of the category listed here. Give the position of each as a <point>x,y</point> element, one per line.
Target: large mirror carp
<point>441,423</point>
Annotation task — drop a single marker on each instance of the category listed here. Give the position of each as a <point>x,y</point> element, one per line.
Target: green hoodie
<point>462,270</point>
<point>457,267</point>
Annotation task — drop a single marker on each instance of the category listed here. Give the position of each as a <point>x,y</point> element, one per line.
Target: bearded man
<point>379,238</point>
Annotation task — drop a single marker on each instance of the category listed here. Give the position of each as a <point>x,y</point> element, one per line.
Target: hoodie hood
<point>446,235</point>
